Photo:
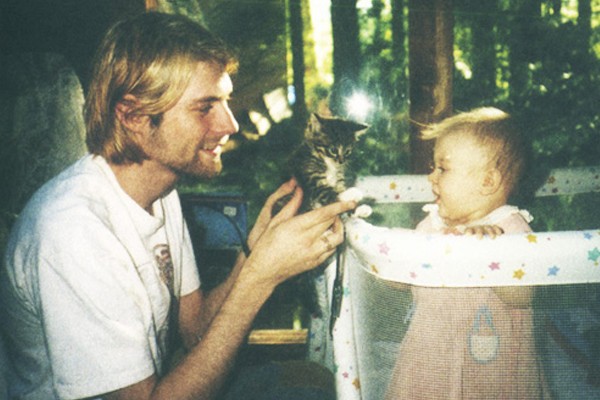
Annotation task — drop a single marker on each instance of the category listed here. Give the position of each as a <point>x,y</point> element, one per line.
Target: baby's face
<point>457,179</point>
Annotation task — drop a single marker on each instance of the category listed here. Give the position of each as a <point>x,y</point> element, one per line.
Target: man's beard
<point>196,171</point>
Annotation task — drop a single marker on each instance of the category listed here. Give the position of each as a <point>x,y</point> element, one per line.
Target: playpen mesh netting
<point>564,267</point>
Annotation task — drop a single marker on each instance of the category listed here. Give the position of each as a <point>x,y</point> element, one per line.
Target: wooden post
<point>151,5</point>
<point>430,72</point>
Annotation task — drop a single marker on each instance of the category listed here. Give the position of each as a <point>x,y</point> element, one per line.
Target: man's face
<point>190,136</point>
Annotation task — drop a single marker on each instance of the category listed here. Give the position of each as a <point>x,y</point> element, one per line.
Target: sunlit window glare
<point>464,69</point>
<point>364,4</point>
<point>358,106</point>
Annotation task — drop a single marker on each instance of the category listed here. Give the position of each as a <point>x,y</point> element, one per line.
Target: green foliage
<point>191,9</point>
<point>558,105</point>
<point>557,101</point>
<point>565,213</point>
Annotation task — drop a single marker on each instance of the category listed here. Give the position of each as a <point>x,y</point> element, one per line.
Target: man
<point>101,257</point>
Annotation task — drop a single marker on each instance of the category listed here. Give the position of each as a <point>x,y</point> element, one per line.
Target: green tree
<point>346,52</point>
<point>296,27</point>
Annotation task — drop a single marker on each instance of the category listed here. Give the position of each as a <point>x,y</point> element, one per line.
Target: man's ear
<point>124,110</point>
<point>492,181</point>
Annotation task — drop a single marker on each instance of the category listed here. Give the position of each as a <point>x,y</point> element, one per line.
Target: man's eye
<point>205,109</point>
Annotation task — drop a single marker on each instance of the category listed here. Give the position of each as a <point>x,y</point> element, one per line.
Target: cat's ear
<point>360,129</point>
<point>316,120</point>
<point>314,125</point>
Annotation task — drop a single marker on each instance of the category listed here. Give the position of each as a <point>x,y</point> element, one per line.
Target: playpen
<point>564,265</point>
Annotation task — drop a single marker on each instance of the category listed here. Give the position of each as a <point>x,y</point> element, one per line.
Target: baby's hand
<point>484,230</point>
<point>363,211</point>
<point>355,194</point>
<point>478,230</point>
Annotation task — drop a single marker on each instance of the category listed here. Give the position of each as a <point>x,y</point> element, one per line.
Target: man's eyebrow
<point>209,99</point>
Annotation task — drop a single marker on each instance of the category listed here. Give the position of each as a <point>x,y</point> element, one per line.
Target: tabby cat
<point>320,163</point>
<point>320,166</point>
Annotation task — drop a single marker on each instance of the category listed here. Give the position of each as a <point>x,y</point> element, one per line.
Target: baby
<point>472,343</point>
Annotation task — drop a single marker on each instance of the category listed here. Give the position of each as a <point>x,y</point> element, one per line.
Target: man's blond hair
<point>152,57</point>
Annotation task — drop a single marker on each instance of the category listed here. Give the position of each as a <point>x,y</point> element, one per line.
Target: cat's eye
<point>347,152</point>
<point>321,149</point>
<point>331,151</point>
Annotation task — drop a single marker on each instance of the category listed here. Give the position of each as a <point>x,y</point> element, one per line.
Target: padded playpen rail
<point>379,257</point>
<point>416,188</point>
<point>517,259</point>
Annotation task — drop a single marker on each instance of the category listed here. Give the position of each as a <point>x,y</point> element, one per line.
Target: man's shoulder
<point>79,192</point>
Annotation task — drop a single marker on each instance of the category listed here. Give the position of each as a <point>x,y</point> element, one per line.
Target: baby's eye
<point>434,168</point>
<point>438,168</point>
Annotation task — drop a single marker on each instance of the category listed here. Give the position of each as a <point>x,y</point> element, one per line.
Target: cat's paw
<point>352,194</point>
<point>363,211</point>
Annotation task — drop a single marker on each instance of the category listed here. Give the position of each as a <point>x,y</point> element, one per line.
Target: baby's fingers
<point>491,231</point>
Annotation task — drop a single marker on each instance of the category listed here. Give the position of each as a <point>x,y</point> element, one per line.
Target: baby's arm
<point>512,296</point>
<point>515,296</point>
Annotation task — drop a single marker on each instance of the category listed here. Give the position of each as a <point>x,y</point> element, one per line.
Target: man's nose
<point>226,124</point>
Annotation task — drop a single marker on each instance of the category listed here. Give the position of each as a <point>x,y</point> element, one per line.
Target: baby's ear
<point>492,181</point>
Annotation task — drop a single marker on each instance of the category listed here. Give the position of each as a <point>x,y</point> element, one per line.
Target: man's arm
<point>288,245</point>
<point>198,308</point>
<point>201,373</point>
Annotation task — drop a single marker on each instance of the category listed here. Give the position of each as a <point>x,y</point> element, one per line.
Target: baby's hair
<point>495,130</point>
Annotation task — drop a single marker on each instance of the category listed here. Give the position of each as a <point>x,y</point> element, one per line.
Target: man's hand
<point>288,244</point>
<point>265,215</point>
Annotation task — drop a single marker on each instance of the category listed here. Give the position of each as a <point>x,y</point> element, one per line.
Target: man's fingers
<point>281,191</point>
<point>325,215</point>
<point>291,207</point>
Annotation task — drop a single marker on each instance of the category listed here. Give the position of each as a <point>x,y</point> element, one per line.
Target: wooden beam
<point>278,336</point>
<point>151,5</point>
<point>430,72</point>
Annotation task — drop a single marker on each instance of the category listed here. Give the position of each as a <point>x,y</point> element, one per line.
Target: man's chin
<point>202,173</point>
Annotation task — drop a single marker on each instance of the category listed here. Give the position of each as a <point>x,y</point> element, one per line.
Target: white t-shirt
<point>85,302</point>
